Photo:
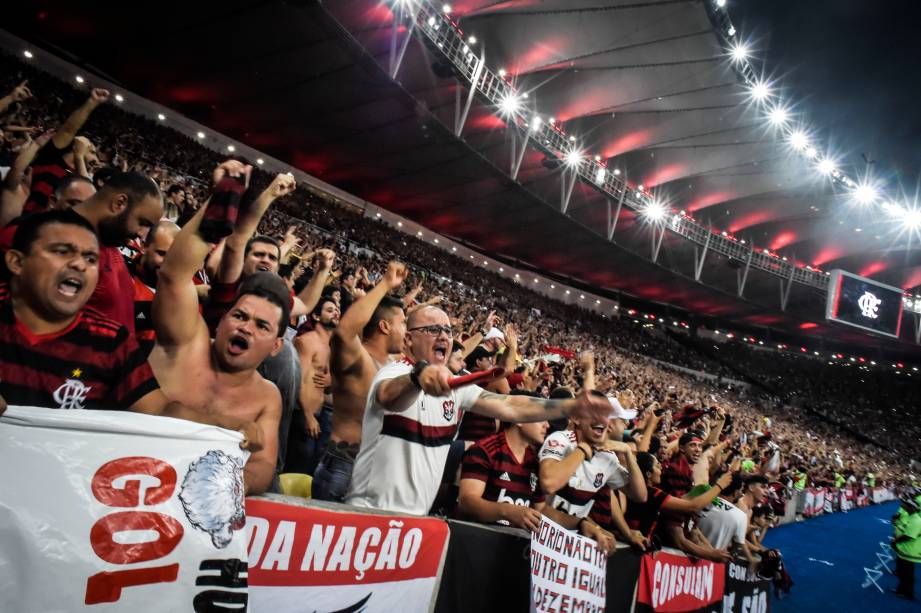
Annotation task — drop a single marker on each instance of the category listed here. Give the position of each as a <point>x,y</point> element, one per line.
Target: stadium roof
<point>645,85</point>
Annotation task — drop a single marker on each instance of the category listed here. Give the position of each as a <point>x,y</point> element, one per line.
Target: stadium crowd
<point>189,285</point>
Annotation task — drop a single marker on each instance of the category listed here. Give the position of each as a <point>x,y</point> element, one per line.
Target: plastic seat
<point>296,484</point>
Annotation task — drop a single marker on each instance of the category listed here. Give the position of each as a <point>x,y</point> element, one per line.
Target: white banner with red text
<point>110,510</point>
<point>340,561</point>
<point>568,571</point>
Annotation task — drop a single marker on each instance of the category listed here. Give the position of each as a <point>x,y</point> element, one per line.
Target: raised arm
<point>587,365</point>
<point>555,474</point>
<point>20,92</point>
<point>310,295</point>
<point>68,131</point>
<point>175,304</point>
<point>346,341</point>
<point>18,182</point>
<point>232,261</point>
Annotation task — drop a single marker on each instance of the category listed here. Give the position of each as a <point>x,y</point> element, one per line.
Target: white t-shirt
<point>403,454</point>
<point>723,524</point>
<point>577,496</point>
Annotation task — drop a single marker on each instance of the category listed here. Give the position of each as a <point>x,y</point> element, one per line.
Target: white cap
<point>619,411</point>
<point>494,332</point>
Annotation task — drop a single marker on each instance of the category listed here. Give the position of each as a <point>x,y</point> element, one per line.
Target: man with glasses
<point>412,416</point>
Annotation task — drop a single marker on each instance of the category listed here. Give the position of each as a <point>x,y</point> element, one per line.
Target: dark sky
<point>853,67</point>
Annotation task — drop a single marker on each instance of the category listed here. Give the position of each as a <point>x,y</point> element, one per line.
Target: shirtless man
<point>220,377</point>
<point>313,351</point>
<point>370,332</point>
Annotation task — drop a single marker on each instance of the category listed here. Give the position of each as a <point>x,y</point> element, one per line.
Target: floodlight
<point>799,140</point>
<point>573,158</point>
<point>779,115</point>
<point>759,90</point>
<point>865,193</point>
<point>509,104</point>
<point>654,211</point>
<point>826,166</point>
<point>739,52</point>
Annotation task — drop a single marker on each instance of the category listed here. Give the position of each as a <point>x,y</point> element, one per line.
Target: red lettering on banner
<point>129,495</point>
<point>107,587</point>
<point>102,536</point>
<point>319,547</point>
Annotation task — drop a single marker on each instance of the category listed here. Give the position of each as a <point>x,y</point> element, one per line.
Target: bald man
<point>144,270</point>
<point>412,415</point>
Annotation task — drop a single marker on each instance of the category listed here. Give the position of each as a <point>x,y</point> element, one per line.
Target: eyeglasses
<point>434,330</point>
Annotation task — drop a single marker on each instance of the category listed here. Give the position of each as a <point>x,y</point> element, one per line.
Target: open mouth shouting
<point>237,345</point>
<point>70,286</point>
<point>263,267</point>
<point>598,430</point>
<point>440,351</point>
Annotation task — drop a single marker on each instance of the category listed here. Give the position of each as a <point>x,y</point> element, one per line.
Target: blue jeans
<point>333,475</point>
<point>304,451</point>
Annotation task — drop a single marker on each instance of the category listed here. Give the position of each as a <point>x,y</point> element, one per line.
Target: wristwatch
<point>416,371</point>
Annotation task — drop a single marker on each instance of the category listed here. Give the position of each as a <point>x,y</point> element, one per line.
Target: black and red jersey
<point>644,516</point>
<point>474,427</point>
<point>600,512</point>
<point>48,169</point>
<point>143,303</point>
<point>507,480</point>
<point>94,363</point>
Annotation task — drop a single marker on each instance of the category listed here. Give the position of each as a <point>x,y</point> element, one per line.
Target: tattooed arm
<point>518,409</point>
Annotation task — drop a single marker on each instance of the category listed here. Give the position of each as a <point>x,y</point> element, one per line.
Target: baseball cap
<point>619,412</point>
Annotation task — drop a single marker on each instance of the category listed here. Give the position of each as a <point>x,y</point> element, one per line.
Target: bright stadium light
<point>759,90</point>
<point>865,193</point>
<point>509,104</point>
<point>720,3</point>
<point>912,218</point>
<point>471,40</point>
<point>161,116</point>
<point>502,72</point>
<point>536,123</point>
<point>812,152</point>
<point>78,79</point>
<point>201,135</point>
<point>826,166</point>
<point>779,115</point>
<point>119,98</point>
<point>799,140</point>
<point>573,158</point>
<point>739,52</point>
<point>599,176</point>
<point>28,54</point>
<point>654,211</point>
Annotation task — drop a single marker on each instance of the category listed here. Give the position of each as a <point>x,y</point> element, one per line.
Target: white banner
<point>118,511</point>
<point>567,571</point>
<point>313,559</point>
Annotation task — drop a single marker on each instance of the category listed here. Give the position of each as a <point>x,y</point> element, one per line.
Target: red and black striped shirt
<point>94,363</point>
<point>644,516</point>
<point>600,512</point>
<point>507,480</point>
<point>48,169</point>
<point>143,319</point>
<point>474,427</point>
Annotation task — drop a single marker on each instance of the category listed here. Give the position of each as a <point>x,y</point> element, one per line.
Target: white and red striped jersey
<point>403,454</point>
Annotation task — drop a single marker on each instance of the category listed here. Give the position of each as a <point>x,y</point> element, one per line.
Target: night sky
<point>853,70</point>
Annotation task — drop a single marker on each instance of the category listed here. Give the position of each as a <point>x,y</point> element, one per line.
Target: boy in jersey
<point>499,484</point>
<point>412,415</point>
<point>575,464</point>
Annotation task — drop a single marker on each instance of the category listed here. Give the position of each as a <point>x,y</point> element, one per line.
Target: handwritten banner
<point>567,571</point>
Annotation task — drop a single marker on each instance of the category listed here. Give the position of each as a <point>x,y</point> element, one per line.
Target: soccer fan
<point>906,541</point>
<point>313,351</point>
<point>144,271</point>
<point>220,377</point>
<point>174,203</point>
<point>71,191</point>
<point>60,353</point>
<point>499,484</point>
<point>754,492</point>
<point>65,154</point>
<point>412,414</point>
<point>372,330</point>
<point>724,524</point>
<point>644,516</point>
<point>123,210</point>
<point>576,463</point>
<point>678,476</point>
